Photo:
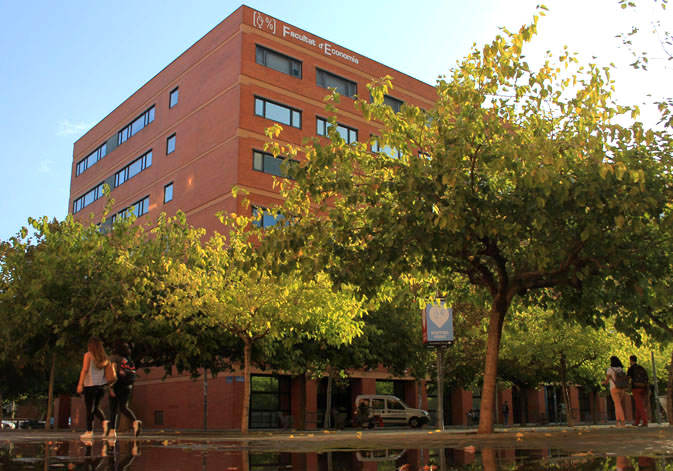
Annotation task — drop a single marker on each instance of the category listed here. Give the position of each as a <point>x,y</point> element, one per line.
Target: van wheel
<point>415,423</point>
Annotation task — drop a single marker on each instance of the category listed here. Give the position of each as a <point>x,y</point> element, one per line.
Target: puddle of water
<point>186,456</point>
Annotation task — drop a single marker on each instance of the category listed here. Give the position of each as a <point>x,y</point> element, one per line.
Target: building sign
<point>268,24</point>
<point>437,324</point>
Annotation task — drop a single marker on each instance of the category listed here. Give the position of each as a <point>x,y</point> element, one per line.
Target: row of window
<point>91,159</point>
<point>131,170</point>
<point>88,198</point>
<point>284,114</point>
<point>128,131</point>
<point>134,168</point>
<point>138,208</point>
<point>142,207</point>
<point>348,134</point>
<point>291,66</point>
<point>135,126</point>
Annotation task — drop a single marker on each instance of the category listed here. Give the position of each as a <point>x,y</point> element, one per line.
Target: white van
<point>392,410</point>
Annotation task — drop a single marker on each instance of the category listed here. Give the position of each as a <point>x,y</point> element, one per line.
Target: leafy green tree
<point>235,284</point>
<point>516,180</point>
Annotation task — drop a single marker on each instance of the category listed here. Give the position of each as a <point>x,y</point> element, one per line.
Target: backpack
<point>621,380</point>
<point>639,377</point>
<point>127,372</point>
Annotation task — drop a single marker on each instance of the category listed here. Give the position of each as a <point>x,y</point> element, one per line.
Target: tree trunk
<point>1,409</point>
<point>489,460</point>
<point>564,390</point>
<point>496,320</point>
<point>669,393</point>
<point>50,394</point>
<point>247,354</point>
<point>328,402</point>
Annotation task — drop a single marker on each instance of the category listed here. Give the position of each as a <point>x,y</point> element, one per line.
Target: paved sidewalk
<point>629,441</point>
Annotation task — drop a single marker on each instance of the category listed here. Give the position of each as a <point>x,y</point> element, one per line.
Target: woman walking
<point>92,383</point>
<point>616,377</point>
<point>121,391</point>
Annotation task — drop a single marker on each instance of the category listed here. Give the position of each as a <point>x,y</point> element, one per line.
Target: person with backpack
<point>121,391</point>
<point>615,376</point>
<point>640,387</point>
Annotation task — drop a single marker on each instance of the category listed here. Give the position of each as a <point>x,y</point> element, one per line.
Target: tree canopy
<point>518,181</point>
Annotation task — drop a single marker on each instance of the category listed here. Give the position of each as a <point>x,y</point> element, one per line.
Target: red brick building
<point>185,138</point>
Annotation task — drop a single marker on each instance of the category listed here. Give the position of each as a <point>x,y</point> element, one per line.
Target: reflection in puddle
<point>102,455</point>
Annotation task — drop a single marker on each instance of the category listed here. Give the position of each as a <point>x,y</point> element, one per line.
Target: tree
<point>51,291</point>
<point>236,286</point>
<point>516,180</point>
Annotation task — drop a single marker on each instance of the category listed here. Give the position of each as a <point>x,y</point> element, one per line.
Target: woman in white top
<point>616,393</point>
<point>92,383</point>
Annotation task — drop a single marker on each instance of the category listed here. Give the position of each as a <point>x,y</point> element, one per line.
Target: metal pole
<point>656,389</point>
<point>440,389</point>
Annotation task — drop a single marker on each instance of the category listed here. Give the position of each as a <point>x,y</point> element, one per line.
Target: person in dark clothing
<point>640,388</point>
<point>121,391</point>
<point>505,413</point>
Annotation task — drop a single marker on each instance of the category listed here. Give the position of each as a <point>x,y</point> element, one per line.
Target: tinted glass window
<point>278,113</point>
<point>168,193</point>
<point>173,99</point>
<point>170,144</point>
<point>277,61</point>
<point>343,86</point>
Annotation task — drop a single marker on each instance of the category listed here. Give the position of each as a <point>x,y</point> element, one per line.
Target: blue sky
<point>65,65</point>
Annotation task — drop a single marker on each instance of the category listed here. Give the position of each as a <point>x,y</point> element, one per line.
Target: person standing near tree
<point>640,387</point>
<point>615,376</point>
<point>505,413</point>
<point>92,383</point>
<point>121,391</point>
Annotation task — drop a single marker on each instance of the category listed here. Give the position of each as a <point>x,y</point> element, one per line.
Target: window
<point>173,98</point>
<point>276,112</point>
<point>378,404</point>
<point>138,209</point>
<point>91,159</point>
<point>269,400</point>
<point>389,151</point>
<point>267,163</point>
<point>277,61</point>
<point>394,103</point>
<point>168,192</point>
<point>395,405</point>
<point>350,135</point>
<point>136,125</point>
<point>170,144</point>
<point>134,168</point>
<point>88,198</point>
<point>267,218</point>
<point>343,86</point>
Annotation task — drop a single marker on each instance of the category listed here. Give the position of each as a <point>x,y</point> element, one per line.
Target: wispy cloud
<point>66,128</point>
